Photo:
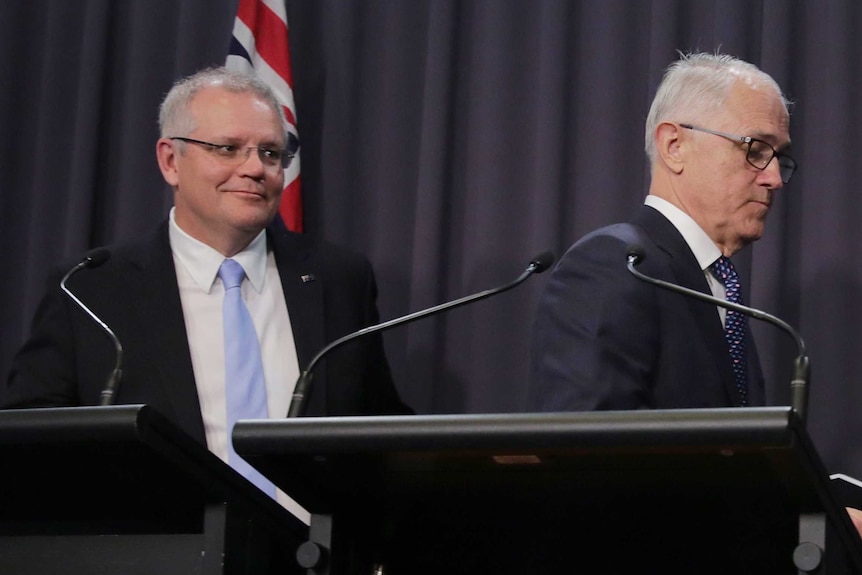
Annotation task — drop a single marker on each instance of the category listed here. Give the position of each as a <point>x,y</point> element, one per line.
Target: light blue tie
<point>735,324</point>
<point>245,390</point>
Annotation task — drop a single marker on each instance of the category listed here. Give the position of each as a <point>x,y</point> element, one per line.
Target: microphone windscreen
<point>97,257</point>
<point>635,253</point>
<point>543,261</point>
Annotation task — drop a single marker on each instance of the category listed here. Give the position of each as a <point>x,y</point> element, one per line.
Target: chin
<point>254,223</point>
<point>751,237</point>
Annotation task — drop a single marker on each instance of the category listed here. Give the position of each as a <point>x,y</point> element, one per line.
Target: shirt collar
<point>701,245</point>
<point>202,261</point>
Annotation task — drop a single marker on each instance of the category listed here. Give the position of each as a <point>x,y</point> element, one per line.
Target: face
<point>724,194</point>
<point>221,204</point>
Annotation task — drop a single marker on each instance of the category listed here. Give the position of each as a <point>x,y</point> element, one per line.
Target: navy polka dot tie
<point>735,323</point>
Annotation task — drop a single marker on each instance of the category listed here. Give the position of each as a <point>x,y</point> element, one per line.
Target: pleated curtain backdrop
<point>450,141</point>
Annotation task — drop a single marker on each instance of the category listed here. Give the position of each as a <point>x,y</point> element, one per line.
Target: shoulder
<point>321,256</point>
<point>648,231</point>
<point>615,237</point>
<point>606,247</point>
<point>114,259</point>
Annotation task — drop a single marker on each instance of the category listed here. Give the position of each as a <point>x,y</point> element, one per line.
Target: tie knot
<point>231,273</point>
<point>724,271</point>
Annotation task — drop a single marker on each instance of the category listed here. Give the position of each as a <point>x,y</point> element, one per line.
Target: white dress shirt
<point>201,295</point>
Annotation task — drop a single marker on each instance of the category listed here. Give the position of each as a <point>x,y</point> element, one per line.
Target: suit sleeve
<point>43,371</point>
<point>382,396</point>
<point>595,339</point>
<point>359,380</point>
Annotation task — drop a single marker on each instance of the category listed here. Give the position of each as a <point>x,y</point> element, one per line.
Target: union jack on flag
<point>259,45</point>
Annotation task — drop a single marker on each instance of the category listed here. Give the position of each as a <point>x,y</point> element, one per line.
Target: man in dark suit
<point>222,151</point>
<point>716,136</point>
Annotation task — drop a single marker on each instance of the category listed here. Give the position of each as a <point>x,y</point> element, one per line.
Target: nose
<point>772,175</point>
<point>252,162</point>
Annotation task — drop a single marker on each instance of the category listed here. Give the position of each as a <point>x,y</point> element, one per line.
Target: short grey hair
<point>175,119</point>
<point>696,86</point>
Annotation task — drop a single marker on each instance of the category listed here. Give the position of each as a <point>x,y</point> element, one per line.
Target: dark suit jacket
<point>67,359</point>
<point>603,339</point>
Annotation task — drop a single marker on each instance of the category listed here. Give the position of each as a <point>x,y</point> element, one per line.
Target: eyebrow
<point>769,139</point>
<point>234,141</point>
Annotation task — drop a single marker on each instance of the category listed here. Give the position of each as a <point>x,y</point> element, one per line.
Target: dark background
<point>450,141</point>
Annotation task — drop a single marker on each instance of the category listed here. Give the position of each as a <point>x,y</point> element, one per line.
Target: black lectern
<point>688,491</point>
<point>121,490</point>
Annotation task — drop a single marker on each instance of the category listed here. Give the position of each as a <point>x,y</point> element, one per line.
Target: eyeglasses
<point>759,153</point>
<point>231,154</point>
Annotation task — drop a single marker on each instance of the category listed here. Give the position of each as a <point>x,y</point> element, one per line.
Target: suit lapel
<point>687,272</point>
<point>303,294</point>
<point>152,282</point>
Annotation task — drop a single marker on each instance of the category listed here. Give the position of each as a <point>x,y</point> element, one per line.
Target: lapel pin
<point>307,278</point>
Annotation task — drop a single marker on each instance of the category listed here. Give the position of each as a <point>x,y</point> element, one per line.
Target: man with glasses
<point>223,150</point>
<point>717,138</point>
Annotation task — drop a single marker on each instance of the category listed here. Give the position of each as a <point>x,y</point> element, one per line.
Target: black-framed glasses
<point>236,155</point>
<point>759,153</point>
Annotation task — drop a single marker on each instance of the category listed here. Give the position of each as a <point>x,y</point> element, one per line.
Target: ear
<point>669,145</point>
<point>166,154</point>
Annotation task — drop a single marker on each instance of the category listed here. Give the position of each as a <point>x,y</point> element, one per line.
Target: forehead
<point>757,111</point>
<point>237,113</point>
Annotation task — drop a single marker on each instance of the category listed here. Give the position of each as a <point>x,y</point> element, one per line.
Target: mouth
<point>252,194</point>
<point>766,202</point>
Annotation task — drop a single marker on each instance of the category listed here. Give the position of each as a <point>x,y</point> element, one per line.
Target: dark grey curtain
<point>450,141</point>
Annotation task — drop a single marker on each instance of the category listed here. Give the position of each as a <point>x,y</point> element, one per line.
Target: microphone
<point>537,265</point>
<point>799,384</point>
<point>95,258</point>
